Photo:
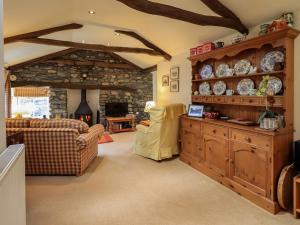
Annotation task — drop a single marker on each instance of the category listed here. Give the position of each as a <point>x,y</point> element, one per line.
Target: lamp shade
<point>149,105</point>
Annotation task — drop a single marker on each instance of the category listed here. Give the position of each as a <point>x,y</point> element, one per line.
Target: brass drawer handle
<point>226,159</point>
<point>214,131</point>
<point>248,139</point>
<point>231,161</point>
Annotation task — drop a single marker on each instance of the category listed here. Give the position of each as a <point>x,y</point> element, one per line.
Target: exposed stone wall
<point>48,72</point>
<point>58,102</point>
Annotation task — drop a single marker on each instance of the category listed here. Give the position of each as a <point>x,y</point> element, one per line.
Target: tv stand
<point>120,124</point>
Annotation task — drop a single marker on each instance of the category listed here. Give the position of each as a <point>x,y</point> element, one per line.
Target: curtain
<point>7,95</point>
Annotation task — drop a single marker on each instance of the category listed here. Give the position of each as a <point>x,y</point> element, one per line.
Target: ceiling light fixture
<point>118,34</point>
<point>92,12</point>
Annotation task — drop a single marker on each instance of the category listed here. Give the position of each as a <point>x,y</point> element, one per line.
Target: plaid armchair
<point>57,147</point>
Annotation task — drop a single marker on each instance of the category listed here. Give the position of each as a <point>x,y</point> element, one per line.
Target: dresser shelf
<point>239,77</point>
<point>276,101</point>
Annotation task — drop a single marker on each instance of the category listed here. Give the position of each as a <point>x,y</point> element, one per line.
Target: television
<point>116,109</point>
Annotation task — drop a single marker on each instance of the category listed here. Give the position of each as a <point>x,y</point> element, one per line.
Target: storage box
<point>193,51</point>
<point>208,47</point>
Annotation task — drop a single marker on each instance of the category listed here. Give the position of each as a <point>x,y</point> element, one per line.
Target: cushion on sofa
<point>82,127</point>
<point>17,123</point>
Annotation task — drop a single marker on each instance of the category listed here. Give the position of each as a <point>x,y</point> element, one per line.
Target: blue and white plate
<point>206,71</point>
<point>274,85</point>
<point>242,67</point>
<point>245,87</point>
<point>204,89</point>
<point>270,59</point>
<point>219,88</point>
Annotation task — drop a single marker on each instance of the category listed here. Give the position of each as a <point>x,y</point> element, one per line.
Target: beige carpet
<point>121,188</point>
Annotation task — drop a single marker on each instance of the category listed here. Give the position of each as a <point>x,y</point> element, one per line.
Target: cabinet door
<point>215,154</point>
<point>249,166</point>
<point>190,143</point>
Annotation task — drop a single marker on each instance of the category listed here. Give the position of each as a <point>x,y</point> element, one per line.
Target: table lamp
<point>149,105</point>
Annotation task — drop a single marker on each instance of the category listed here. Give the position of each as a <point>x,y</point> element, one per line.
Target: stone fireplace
<point>84,112</point>
<point>61,73</point>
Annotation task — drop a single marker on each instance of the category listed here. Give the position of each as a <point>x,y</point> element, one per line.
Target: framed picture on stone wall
<point>174,73</point>
<point>165,80</point>
<point>174,86</point>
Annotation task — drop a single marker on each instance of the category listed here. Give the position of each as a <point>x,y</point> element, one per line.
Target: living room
<point>149,112</point>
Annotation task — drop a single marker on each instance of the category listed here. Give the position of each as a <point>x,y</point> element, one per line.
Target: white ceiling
<point>175,37</point>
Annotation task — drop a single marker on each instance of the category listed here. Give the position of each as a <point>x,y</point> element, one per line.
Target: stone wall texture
<point>59,73</point>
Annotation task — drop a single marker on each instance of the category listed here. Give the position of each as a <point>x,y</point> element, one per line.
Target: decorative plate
<point>206,71</point>
<point>204,89</point>
<point>219,88</point>
<point>242,67</point>
<point>222,70</point>
<point>274,85</point>
<point>268,61</point>
<point>245,86</point>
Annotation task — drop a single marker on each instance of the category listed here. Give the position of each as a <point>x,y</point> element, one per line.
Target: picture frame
<point>165,80</point>
<point>174,86</point>
<point>174,73</point>
<point>195,110</point>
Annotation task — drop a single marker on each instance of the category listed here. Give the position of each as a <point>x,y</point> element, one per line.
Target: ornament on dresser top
<point>238,38</point>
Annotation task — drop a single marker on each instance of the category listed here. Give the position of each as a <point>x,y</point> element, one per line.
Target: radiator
<point>12,186</point>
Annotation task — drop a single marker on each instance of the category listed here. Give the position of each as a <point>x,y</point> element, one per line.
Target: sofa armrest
<point>84,140</point>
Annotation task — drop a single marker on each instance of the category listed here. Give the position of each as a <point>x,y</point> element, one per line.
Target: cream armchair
<point>160,140</point>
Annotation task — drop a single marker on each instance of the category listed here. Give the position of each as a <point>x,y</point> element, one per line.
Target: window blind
<point>31,92</point>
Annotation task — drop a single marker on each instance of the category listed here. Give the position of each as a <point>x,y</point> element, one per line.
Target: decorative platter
<point>219,88</point>
<point>222,70</point>
<point>274,85</point>
<point>204,89</point>
<point>245,86</point>
<point>206,71</point>
<point>242,67</point>
<point>268,62</point>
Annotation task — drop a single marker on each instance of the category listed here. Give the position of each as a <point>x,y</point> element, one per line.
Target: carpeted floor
<point>121,188</point>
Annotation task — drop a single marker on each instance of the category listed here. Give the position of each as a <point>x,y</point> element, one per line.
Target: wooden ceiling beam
<point>41,59</point>
<point>150,69</point>
<point>39,33</point>
<point>93,47</point>
<point>90,63</point>
<point>70,85</point>
<point>145,42</point>
<point>172,12</point>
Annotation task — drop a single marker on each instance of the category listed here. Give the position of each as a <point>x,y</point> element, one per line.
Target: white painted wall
<point>74,97</point>
<point>164,95</point>
<point>2,85</point>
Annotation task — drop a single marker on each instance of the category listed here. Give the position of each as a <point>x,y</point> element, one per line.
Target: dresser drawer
<point>197,98</point>
<point>219,99</point>
<point>250,100</point>
<point>276,101</point>
<point>216,131</point>
<point>233,99</point>
<point>206,98</point>
<point>256,139</point>
<point>190,124</point>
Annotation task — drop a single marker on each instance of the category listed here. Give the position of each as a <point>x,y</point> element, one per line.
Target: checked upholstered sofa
<point>57,146</point>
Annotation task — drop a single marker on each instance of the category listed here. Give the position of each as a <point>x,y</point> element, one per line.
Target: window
<point>30,102</point>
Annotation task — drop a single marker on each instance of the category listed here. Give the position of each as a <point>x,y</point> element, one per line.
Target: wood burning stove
<point>84,112</point>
